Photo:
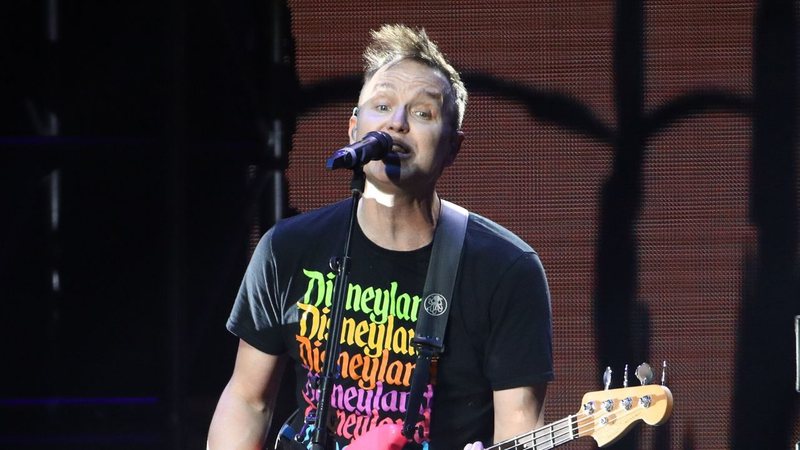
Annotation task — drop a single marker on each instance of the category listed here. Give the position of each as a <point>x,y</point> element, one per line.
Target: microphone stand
<point>332,346</point>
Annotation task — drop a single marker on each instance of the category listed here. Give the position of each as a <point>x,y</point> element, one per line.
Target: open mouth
<point>400,149</point>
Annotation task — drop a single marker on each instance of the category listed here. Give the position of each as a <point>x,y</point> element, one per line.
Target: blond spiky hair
<point>392,43</point>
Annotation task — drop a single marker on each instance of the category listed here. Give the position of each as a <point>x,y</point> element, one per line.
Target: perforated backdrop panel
<point>542,175</point>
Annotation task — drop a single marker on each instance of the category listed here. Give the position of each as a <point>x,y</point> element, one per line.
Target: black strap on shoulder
<point>448,241</point>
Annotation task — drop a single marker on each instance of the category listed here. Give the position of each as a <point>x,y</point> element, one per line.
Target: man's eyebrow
<point>434,94</point>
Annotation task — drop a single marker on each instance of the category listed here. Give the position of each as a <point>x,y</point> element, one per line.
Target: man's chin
<point>390,176</point>
<point>390,167</point>
<point>394,173</point>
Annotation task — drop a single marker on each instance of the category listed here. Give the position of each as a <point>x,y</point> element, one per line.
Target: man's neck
<point>398,221</point>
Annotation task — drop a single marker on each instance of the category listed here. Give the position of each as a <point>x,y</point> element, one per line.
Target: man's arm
<point>244,411</point>
<point>518,410</point>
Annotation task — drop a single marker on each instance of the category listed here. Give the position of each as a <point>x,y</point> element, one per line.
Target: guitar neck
<point>549,436</point>
<point>604,415</point>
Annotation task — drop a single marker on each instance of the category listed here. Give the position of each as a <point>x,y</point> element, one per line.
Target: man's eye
<point>423,114</point>
<point>383,108</point>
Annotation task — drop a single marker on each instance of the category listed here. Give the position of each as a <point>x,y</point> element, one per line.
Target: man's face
<point>407,100</point>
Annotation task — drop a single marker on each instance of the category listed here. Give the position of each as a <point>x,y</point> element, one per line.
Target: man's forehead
<point>405,74</point>
<point>426,89</point>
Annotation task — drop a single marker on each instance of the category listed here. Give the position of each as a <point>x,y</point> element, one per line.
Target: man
<point>490,383</point>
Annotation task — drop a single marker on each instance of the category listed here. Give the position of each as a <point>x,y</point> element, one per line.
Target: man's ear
<point>352,129</point>
<point>455,147</point>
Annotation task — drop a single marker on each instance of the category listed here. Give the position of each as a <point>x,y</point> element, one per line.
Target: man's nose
<point>399,120</point>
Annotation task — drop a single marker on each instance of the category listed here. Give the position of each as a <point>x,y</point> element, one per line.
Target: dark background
<point>647,150</point>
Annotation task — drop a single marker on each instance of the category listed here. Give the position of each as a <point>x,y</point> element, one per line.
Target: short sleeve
<point>257,312</point>
<point>519,348</point>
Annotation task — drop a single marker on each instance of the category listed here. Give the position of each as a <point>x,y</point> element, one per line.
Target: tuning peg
<point>625,377</point>
<point>664,373</point>
<point>644,373</point>
<point>607,377</point>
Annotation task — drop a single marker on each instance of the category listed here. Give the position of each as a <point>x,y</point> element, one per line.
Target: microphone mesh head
<point>383,139</point>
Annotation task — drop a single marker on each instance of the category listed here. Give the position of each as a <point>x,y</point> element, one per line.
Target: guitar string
<point>550,432</point>
<point>551,440</point>
<point>585,425</point>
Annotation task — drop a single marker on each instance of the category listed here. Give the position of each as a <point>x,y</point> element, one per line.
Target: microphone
<point>374,146</point>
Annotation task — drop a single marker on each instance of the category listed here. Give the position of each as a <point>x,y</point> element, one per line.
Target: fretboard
<point>549,436</point>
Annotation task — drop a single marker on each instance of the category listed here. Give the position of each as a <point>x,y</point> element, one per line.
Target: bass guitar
<point>604,415</point>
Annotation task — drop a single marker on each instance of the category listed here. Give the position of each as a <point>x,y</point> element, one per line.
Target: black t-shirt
<point>498,337</point>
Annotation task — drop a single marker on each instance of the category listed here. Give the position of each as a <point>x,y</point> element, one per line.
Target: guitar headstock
<point>607,415</point>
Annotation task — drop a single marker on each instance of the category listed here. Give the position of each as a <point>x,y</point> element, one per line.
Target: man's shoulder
<point>310,229</point>
<point>311,223</point>
<point>488,240</point>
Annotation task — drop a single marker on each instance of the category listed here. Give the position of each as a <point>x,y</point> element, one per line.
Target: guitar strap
<point>448,242</point>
